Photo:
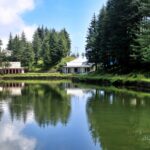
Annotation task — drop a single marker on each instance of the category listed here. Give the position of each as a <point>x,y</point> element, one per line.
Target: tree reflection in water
<point>119,121</point>
<point>48,102</point>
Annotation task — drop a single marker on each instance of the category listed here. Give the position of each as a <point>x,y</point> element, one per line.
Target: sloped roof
<point>79,62</point>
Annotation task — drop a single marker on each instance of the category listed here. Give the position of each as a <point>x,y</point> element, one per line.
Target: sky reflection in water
<point>65,116</point>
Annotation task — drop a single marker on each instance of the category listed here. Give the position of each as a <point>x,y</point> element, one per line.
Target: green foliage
<point>118,39</point>
<point>28,58</point>
<point>59,66</point>
<point>66,42</point>
<point>56,45</point>
<point>119,120</point>
<point>10,42</point>
<point>37,46</point>
<point>91,50</point>
<point>49,46</point>
<point>48,102</point>
<point>3,59</point>
<point>144,35</point>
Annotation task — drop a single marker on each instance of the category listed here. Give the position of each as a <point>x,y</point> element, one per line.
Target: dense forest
<point>47,46</point>
<point>119,37</point>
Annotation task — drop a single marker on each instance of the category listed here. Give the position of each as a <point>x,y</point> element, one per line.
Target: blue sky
<point>74,15</point>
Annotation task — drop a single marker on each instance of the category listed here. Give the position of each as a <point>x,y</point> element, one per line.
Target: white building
<point>11,68</point>
<point>79,66</point>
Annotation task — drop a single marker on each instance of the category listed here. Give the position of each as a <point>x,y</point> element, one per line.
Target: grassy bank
<point>35,76</point>
<point>139,81</point>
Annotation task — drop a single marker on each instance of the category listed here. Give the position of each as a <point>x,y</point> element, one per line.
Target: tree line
<point>48,46</point>
<point>119,37</point>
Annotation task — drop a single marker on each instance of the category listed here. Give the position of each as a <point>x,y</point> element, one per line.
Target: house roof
<point>78,62</point>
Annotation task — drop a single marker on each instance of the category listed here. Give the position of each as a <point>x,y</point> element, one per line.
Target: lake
<point>56,115</point>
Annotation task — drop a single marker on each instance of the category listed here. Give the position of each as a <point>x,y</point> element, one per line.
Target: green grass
<point>122,90</point>
<point>35,75</point>
<point>40,66</point>
<point>59,66</point>
<point>93,76</point>
<point>114,77</point>
<point>133,80</point>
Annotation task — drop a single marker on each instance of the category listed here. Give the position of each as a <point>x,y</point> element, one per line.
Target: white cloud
<point>11,135</point>
<point>11,18</point>
<point>11,138</point>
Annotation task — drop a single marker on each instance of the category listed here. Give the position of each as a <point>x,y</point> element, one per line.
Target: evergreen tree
<point>10,42</point>
<point>101,39</point>
<point>53,43</point>
<point>37,45</point>
<point>144,36</point>
<point>124,18</point>
<point>59,51</point>
<point>46,52</point>
<point>16,47</point>
<point>92,52</point>
<point>64,36</point>
<point>23,45</point>
<point>47,45</point>
<point>23,39</point>
<point>41,32</point>
<point>28,58</point>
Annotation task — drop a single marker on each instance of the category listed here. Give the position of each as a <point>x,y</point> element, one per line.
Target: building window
<point>76,70</point>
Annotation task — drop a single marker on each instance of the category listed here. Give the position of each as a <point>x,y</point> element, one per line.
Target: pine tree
<point>101,39</point>
<point>64,36</point>
<point>92,52</point>
<point>28,58</point>
<point>41,32</point>
<point>59,51</point>
<point>16,48</point>
<point>46,52</point>
<point>47,45</point>
<point>37,46</point>
<point>10,42</point>
<point>144,36</point>
<point>123,24</point>
<point>53,42</point>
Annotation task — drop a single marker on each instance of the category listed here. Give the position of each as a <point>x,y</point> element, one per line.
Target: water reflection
<point>49,103</point>
<point>119,121</point>
<point>46,116</point>
<point>72,117</point>
<point>12,139</point>
<point>11,88</point>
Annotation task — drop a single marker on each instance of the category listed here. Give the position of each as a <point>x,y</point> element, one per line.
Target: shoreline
<point>137,83</point>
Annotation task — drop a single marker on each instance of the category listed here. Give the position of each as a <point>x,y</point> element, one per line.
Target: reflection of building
<point>11,68</point>
<point>78,92</point>
<point>75,92</point>
<point>79,65</point>
<point>12,88</point>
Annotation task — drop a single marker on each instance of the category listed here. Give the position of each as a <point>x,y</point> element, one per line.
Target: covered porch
<point>11,70</point>
<point>76,70</point>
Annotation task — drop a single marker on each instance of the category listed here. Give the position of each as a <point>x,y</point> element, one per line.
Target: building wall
<point>80,70</point>
<point>12,71</point>
<point>15,65</point>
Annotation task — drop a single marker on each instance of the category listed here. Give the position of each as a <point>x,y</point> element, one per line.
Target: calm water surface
<point>66,116</point>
